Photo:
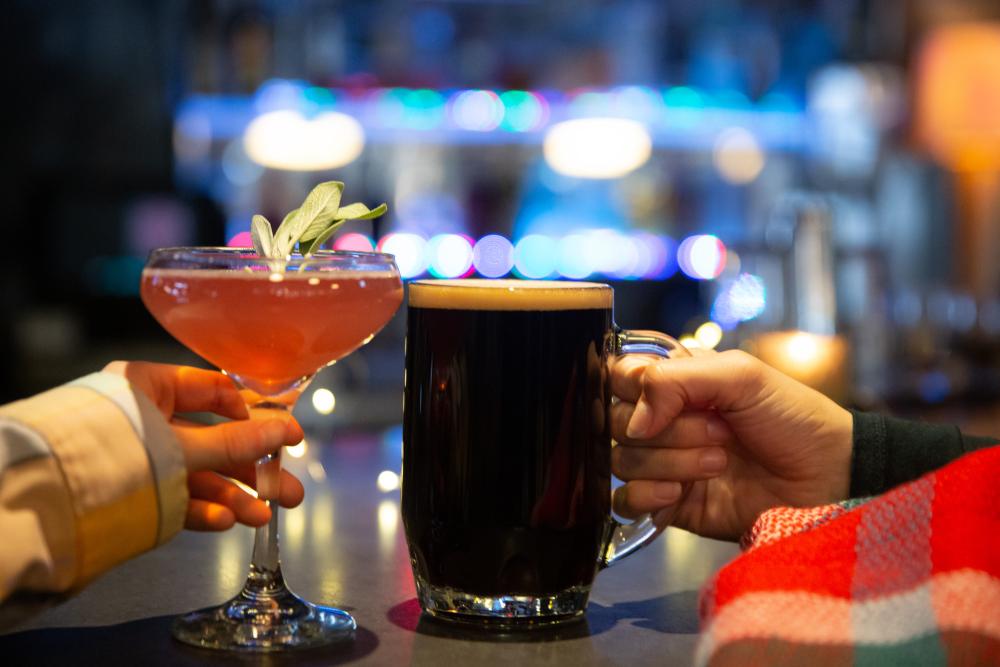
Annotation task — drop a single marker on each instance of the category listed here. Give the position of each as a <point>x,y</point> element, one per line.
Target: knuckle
<point>745,367</point>
<point>656,373</point>
<point>616,460</point>
<point>664,390</point>
<point>626,501</point>
<point>620,499</point>
<point>631,369</point>
<point>629,363</point>
<point>222,389</point>
<point>660,377</point>
<point>738,359</point>
<point>633,462</point>
<point>235,441</point>
<point>619,419</point>
<point>626,460</point>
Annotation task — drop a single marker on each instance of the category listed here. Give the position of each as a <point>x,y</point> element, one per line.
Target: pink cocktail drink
<point>271,329</point>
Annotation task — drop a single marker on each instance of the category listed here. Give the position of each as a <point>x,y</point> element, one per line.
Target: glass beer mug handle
<point>625,539</point>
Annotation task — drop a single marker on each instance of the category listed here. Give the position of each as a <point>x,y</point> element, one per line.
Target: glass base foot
<point>503,611</point>
<point>263,620</point>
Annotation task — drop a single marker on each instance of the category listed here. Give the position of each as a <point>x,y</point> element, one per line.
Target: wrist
<point>839,452</point>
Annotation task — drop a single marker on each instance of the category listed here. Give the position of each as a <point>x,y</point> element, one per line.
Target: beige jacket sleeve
<point>90,476</point>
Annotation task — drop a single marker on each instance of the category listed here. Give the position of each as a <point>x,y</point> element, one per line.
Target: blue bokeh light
<point>742,300</point>
<point>535,256</point>
<point>493,256</point>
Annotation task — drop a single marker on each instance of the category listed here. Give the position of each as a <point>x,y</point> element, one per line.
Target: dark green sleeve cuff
<point>890,451</point>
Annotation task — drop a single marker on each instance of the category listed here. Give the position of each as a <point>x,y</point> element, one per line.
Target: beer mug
<point>506,489</point>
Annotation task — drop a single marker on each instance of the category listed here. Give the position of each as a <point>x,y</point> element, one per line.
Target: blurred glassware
<point>805,343</point>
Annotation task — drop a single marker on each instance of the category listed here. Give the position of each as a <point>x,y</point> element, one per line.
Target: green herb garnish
<point>310,225</point>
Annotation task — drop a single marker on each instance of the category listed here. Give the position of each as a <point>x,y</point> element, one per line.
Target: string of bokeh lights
<point>601,252</point>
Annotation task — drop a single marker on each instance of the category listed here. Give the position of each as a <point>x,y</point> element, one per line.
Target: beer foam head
<point>509,295</point>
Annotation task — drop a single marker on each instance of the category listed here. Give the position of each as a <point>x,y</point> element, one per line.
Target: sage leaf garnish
<point>260,232</point>
<point>359,211</point>
<point>291,229</point>
<point>307,247</point>
<point>324,226</point>
<point>311,224</point>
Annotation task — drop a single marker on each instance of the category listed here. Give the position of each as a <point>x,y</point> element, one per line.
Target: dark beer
<point>506,458</point>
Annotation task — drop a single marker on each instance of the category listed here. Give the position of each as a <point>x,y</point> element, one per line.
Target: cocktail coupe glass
<point>270,325</point>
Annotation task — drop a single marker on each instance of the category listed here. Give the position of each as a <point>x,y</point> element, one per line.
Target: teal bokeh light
<point>524,111</point>
<point>535,256</point>
<point>423,109</point>
<point>683,97</point>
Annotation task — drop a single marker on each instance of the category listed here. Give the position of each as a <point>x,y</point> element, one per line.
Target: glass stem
<point>265,541</point>
<point>265,568</point>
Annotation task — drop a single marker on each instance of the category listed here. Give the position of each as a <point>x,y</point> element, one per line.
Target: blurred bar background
<point>817,182</point>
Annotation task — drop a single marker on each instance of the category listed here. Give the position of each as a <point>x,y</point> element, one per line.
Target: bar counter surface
<point>345,547</point>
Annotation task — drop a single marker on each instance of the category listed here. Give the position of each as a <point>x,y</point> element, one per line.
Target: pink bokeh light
<point>241,240</point>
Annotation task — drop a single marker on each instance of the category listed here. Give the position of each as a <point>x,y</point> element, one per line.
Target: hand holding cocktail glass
<point>270,319</point>
<point>211,451</point>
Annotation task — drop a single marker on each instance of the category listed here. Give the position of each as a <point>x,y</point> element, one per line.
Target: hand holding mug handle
<point>625,539</point>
